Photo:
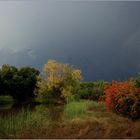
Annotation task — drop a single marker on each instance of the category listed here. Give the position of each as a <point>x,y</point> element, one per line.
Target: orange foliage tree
<point>123,98</point>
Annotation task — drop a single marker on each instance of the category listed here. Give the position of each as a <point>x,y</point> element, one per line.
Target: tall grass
<point>77,109</point>
<point>96,123</point>
<point>14,124</point>
<point>97,106</point>
<point>6,99</point>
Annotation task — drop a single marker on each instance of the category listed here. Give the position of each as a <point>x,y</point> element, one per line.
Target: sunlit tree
<point>62,79</point>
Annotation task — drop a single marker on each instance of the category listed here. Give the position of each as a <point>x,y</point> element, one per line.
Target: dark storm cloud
<point>101,38</point>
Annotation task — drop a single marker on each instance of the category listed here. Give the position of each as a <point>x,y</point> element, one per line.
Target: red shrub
<point>123,98</point>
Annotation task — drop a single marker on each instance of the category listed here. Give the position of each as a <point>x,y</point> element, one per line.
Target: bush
<point>123,98</point>
<point>92,90</point>
<point>85,90</point>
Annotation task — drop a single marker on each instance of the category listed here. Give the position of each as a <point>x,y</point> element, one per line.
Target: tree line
<point>59,83</point>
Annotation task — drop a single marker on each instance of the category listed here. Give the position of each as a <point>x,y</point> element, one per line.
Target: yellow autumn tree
<point>62,79</point>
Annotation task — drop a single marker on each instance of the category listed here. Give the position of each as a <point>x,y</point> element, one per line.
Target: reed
<point>13,124</point>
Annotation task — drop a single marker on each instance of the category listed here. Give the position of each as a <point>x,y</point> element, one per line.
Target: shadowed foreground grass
<point>84,119</point>
<point>87,119</point>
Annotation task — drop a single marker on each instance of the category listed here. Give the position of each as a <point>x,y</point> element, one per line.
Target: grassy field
<point>83,119</point>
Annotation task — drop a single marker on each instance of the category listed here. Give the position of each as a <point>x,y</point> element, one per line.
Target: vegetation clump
<point>92,90</point>
<point>123,98</point>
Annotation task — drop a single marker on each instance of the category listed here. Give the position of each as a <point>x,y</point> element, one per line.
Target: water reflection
<point>5,107</point>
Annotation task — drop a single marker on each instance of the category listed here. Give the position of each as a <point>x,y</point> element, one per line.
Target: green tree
<point>6,78</point>
<point>25,83</point>
<point>20,84</point>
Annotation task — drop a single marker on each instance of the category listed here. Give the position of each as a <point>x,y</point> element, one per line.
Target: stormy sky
<point>101,38</point>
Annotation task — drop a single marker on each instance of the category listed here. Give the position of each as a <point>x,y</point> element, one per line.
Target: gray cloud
<point>101,38</point>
